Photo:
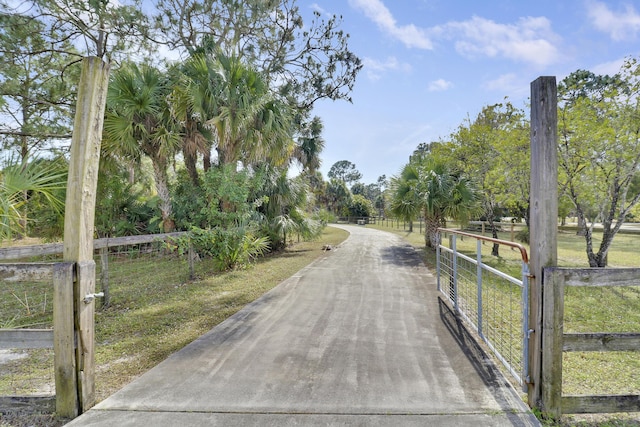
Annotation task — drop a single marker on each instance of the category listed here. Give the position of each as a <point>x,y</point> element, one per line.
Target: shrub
<point>228,248</point>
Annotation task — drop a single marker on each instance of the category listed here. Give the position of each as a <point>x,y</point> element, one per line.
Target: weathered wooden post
<point>104,275</point>
<point>543,224</point>
<point>63,341</point>
<point>79,216</point>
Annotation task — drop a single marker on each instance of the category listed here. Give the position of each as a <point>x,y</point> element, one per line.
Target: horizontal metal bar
<point>490,269</point>
<point>521,248</point>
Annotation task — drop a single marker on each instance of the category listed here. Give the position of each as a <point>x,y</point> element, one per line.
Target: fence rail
<point>61,338</point>
<point>56,328</point>
<point>23,252</point>
<point>494,303</point>
<point>556,342</point>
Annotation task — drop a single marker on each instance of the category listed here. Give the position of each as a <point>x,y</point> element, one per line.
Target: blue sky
<point>429,64</point>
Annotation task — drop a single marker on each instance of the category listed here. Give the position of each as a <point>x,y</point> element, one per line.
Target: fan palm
<point>445,194</point>
<point>250,125</point>
<point>29,177</point>
<point>194,100</point>
<point>310,145</point>
<point>138,123</point>
<point>406,203</point>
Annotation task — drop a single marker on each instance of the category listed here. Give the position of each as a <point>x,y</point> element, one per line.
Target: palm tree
<point>193,102</point>
<point>225,104</point>
<point>445,194</point>
<point>138,123</point>
<point>406,203</point>
<point>250,125</point>
<point>284,199</point>
<point>44,178</point>
<point>309,145</point>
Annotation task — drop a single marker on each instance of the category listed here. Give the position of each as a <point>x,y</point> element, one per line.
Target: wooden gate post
<point>79,216</point>
<point>63,341</point>
<point>543,209</point>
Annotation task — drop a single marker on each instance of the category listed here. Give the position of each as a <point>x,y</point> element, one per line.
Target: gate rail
<point>493,302</point>
<point>61,275</point>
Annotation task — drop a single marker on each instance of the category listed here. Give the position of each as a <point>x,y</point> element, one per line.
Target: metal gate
<point>493,302</point>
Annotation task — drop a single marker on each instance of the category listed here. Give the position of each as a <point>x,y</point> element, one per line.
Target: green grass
<point>157,311</point>
<point>586,310</point>
<point>155,320</point>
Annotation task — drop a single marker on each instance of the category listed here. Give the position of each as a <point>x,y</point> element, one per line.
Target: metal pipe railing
<point>453,294</point>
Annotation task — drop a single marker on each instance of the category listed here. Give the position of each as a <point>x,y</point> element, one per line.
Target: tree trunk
<point>206,161</point>
<point>431,225</point>
<point>495,250</point>
<point>190,160</point>
<point>582,226</point>
<point>162,187</point>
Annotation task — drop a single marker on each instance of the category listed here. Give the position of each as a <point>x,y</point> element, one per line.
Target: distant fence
<point>556,342</point>
<point>481,227</point>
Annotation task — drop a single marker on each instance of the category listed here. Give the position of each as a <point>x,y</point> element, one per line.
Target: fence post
<point>80,212</point>
<point>192,258</point>
<point>104,275</point>
<point>85,332</point>
<point>479,284</point>
<point>454,270</point>
<point>543,224</point>
<point>438,260</point>
<point>552,341</point>
<point>63,341</point>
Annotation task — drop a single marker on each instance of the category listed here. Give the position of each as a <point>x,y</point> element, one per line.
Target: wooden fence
<point>555,341</point>
<point>61,338</point>
<point>71,322</point>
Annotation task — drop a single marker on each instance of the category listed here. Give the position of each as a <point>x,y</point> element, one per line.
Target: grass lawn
<point>150,319</point>
<point>586,310</point>
<point>137,335</point>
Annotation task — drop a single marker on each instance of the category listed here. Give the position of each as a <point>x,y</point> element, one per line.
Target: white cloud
<point>439,85</point>
<point>410,35</point>
<point>375,68</point>
<point>622,25</point>
<point>608,68</point>
<point>530,40</point>
<point>318,8</point>
<point>511,83</point>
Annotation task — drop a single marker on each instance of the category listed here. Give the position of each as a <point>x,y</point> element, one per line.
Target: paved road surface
<point>358,337</point>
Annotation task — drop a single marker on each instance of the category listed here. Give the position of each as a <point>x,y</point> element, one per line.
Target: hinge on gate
<point>529,332</point>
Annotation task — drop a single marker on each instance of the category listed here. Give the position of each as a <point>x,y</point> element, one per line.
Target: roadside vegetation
<point>147,324</point>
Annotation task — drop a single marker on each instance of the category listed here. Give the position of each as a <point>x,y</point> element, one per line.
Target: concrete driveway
<point>359,337</point>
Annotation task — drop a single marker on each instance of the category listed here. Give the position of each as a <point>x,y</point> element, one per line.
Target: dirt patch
<point>8,355</point>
